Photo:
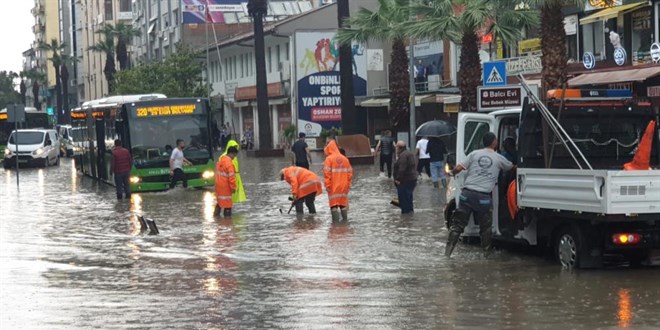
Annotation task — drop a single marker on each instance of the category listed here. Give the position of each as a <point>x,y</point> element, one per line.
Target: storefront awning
<point>611,77</point>
<point>376,103</point>
<point>420,98</point>
<point>608,13</point>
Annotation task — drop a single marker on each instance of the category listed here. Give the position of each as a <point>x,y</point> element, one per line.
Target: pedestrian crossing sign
<point>494,73</point>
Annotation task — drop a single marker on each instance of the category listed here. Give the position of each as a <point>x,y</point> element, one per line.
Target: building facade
<point>45,29</point>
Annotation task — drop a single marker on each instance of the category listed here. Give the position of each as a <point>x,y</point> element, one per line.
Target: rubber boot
<point>336,215</point>
<point>227,212</point>
<point>444,183</point>
<point>451,243</point>
<point>487,243</point>
<point>435,185</point>
<point>344,214</point>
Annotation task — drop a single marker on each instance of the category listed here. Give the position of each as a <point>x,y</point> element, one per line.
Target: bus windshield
<point>27,137</point>
<point>152,139</point>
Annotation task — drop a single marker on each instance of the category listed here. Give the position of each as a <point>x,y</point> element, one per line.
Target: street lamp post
<point>257,10</point>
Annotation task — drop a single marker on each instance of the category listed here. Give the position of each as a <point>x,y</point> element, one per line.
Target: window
<point>474,132</point>
<point>286,51</point>
<point>594,39</point>
<point>242,65</point>
<point>125,5</point>
<point>279,56</point>
<point>269,56</point>
<point>641,35</point>
<point>108,10</point>
<point>227,69</point>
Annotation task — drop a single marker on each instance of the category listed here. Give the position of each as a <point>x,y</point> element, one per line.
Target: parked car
<point>40,147</point>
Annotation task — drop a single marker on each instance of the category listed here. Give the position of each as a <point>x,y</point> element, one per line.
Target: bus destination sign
<point>165,110</point>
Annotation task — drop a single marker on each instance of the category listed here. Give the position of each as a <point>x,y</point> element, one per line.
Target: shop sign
<point>529,45</point>
<point>620,56</point>
<point>653,91</point>
<point>571,25</point>
<point>492,98</point>
<point>655,52</point>
<point>589,60</point>
<point>524,65</point>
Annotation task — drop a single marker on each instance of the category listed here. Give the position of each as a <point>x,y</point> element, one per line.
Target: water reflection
<point>624,314</point>
<point>79,260</point>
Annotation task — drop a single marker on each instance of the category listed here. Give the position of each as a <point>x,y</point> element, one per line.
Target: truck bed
<point>596,191</point>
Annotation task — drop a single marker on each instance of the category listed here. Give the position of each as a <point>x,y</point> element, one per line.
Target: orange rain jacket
<point>337,175</point>
<point>303,181</point>
<point>225,181</point>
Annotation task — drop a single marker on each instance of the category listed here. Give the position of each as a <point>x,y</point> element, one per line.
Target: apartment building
<point>45,29</point>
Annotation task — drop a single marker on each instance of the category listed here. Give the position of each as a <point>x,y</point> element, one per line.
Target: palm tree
<point>36,77</point>
<point>64,80</point>
<point>386,23</point>
<point>23,87</point>
<point>123,33</point>
<point>460,21</point>
<point>56,48</point>
<point>107,47</point>
<point>258,10</point>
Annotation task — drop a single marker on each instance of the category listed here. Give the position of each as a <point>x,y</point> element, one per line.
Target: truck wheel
<point>57,161</point>
<point>568,247</point>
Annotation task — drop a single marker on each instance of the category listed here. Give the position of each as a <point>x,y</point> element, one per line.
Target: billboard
<point>194,11</point>
<point>318,82</point>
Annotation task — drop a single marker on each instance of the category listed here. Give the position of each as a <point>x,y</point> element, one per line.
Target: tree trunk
<point>553,46</point>
<point>470,71</point>
<point>58,93</point>
<point>263,110</point>
<point>35,93</point>
<point>399,87</point>
<point>23,90</point>
<point>64,81</point>
<point>349,119</point>
<point>122,54</point>
<point>109,71</point>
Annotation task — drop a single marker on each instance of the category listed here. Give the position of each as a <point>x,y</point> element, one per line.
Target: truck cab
<point>581,211</point>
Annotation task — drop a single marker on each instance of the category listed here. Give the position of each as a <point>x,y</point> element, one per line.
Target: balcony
<point>37,28</point>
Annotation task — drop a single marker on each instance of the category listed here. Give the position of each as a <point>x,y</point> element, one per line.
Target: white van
<point>70,141</point>
<point>39,147</point>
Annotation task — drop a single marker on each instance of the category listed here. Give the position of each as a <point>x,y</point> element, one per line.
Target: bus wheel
<point>568,247</point>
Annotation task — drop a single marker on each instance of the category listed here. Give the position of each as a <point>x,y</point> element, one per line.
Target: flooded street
<point>73,257</point>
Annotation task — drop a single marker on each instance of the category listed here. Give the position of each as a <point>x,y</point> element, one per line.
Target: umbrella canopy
<point>435,128</point>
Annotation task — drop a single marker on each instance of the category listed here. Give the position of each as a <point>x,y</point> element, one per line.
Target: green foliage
<point>8,94</point>
<point>290,133</point>
<point>180,75</point>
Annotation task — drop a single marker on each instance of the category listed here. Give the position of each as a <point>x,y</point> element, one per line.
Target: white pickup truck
<point>581,214</point>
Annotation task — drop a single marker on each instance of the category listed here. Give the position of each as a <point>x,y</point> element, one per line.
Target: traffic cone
<point>642,159</point>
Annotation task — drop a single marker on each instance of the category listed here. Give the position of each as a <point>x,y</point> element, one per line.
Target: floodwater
<point>72,257</point>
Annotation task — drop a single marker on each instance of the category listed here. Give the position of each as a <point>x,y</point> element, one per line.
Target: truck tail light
<point>626,238</point>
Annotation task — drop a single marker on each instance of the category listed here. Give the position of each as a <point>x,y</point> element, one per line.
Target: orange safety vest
<point>337,175</point>
<point>303,181</point>
<point>225,181</point>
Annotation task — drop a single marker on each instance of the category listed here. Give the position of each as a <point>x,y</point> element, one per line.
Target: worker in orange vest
<point>305,186</point>
<point>225,181</point>
<point>337,175</point>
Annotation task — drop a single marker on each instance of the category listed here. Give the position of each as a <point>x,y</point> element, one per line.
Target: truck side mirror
<point>48,143</point>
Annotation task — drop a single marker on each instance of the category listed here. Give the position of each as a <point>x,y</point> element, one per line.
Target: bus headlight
<point>135,179</point>
<point>208,174</point>
<point>38,152</point>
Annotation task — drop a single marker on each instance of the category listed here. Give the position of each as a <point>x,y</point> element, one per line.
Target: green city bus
<point>33,119</point>
<point>148,125</point>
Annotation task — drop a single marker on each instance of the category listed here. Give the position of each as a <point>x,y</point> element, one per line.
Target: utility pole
<point>413,92</point>
<point>348,114</point>
<point>258,9</point>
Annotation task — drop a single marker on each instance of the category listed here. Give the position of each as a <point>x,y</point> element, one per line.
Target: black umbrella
<point>435,128</point>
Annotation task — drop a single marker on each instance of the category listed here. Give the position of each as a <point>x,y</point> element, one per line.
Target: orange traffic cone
<point>642,159</point>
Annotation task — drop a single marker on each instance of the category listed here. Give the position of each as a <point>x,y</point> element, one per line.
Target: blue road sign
<point>494,73</point>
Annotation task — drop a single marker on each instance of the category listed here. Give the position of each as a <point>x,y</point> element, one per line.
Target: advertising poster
<point>319,83</point>
<point>194,11</point>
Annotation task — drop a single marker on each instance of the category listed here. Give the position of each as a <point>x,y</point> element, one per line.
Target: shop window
<point>641,35</point>
<point>108,10</point>
<point>594,39</point>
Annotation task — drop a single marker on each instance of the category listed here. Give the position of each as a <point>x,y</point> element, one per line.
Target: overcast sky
<point>15,33</point>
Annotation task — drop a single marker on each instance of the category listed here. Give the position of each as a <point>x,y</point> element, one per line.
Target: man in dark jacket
<point>405,177</point>
<point>436,148</point>
<point>121,168</point>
